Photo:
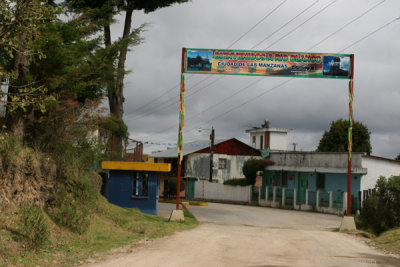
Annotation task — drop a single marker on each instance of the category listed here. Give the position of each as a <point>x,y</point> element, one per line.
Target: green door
<point>303,185</point>
<point>190,188</point>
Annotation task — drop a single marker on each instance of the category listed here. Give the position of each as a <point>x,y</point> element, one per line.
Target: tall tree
<point>103,12</point>
<point>336,139</point>
<point>20,27</point>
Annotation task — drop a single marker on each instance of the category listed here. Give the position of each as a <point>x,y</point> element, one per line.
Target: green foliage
<point>33,226</point>
<point>72,205</point>
<point>336,139</point>
<point>116,125</point>
<point>398,157</point>
<point>171,187</point>
<point>381,211</point>
<point>241,182</point>
<point>250,169</point>
<point>74,63</point>
<point>21,25</point>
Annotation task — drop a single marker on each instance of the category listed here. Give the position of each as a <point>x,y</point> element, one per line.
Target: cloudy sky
<point>370,29</point>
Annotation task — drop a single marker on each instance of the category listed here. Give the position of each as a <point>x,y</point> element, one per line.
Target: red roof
<point>232,147</point>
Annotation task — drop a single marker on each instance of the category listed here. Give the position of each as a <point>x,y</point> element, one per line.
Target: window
<point>221,163</point>
<point>321,181</point>
<point>254,139</point>
<point>140,185</point>
<point>261,142</point>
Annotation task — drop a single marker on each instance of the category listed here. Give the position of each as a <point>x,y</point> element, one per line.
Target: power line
<point>176,86</point>
<point>255,25</point>
<point>214,105</point>
<point>290,32</point>
<point>281,84</point>
<point>347,24</point>
<point>174,102</point>
<point>354,43</point>
<point>244,34</point>
<point>371,33</point>
<point>284,25</point>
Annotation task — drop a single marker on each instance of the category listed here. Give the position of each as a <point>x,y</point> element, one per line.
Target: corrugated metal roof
<point>188,148</point>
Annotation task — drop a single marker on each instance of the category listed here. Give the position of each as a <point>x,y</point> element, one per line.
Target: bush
<point>33,226</point>
<point>72,205</point>
<point>381,211</point>
<point>241,182</point>
<point>170,189</point>
<point>251,167</point>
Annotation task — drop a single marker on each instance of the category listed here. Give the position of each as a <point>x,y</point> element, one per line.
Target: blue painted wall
<point>119,191</point>
<point>336,182</point>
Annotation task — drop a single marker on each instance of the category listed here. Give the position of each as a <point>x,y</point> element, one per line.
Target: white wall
<point>278,141</point>
<point>214,191</point>
<point>377,167</point>
<point>198,165</point>
<point>256,144</point>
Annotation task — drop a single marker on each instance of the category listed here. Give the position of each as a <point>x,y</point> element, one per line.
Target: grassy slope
<point>389,241</point>
<point>111,227</point>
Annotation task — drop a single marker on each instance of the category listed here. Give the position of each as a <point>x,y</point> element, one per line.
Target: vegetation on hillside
<point>58,68</point>
<point>381,210</point>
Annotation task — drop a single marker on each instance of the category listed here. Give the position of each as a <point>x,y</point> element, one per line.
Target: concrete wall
<point>378,167</point>
<point>278,141</point>
<point>316,162</point>
<point>198,165</point>
<point>214,191</point>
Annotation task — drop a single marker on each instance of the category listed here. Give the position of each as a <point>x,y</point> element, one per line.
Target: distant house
<point>265,137</point>
<point>325,172</point>
<point>228,159</point>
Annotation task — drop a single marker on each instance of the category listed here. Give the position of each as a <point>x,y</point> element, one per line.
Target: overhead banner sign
<point>260,63</point>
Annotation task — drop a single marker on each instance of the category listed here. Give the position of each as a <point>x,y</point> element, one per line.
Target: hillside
<point>47,219</point>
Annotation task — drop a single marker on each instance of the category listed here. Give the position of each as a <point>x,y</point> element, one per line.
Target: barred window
<point>221,163</point>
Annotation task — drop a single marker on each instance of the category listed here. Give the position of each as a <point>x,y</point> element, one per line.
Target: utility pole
<point>212,137</point>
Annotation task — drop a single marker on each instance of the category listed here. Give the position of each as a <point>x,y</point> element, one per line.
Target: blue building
<point>134,184</point>
<point>303,174</point>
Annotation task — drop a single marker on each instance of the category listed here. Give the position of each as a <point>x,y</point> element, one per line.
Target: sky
<point>369,29</point>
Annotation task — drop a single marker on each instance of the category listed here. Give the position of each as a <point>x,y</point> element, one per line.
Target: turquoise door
<point>303,185</point>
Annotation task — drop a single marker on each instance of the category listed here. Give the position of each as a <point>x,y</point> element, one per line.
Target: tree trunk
<point>15,121</point>
<point>116,88</point>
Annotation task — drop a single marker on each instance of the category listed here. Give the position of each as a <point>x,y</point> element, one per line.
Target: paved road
<point>233,235</point>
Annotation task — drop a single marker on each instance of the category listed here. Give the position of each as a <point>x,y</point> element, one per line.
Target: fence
<point>275,196</point>
<point>321,201</point>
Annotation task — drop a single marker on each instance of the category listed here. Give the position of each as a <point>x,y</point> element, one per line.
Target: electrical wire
<point>266,38</point>
<point>285,82</point>
<point>284,25</point>
<point>237,40</point>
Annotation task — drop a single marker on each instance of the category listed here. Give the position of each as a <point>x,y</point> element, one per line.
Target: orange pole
<point>350,147</point>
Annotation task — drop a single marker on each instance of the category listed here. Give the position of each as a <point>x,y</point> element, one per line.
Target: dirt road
<point>232,235</point>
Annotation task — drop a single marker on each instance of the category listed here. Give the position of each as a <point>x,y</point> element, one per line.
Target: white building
<point>265,137</point>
